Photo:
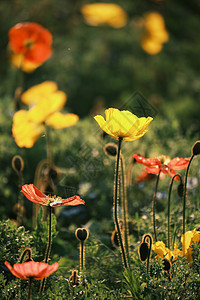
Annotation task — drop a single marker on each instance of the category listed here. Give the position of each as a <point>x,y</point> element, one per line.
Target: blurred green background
<point>101,67</point>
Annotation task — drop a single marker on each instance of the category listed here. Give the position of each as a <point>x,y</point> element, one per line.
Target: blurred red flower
<point>163,164</point>
<point>36,270</point>
<point>34,195</point>
<point>32,41</point>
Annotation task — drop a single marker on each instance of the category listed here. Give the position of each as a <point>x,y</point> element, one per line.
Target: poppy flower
<point>123,124</point>
<point>36,196</point>
<point>36,270</point>
<point>31,42</point>
<point>45,101</point>
<point>111,14</point>
<point>163,164</point>
<point>187,239</point>
<point>155,33</point>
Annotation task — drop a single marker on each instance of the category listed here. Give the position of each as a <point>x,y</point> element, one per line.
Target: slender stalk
<point>82,255</point>
<point>49,147</point>
<point>20,200</point>
<point>116,196</point>
<point>29,297</point>
<point>124,206</point>
<point>48,250</point>
<point>185,192</point>
<point>154,206</point>
<point>168,210</point>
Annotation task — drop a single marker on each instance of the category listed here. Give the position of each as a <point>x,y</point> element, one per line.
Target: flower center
<point>54,200</point>
<point>164,159</point>
<point>29,43</point>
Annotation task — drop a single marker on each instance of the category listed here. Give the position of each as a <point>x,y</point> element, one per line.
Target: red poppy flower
<point>163,164</point>
<point>32,41</point>
<point>34,195</point>
<point>37,270</point>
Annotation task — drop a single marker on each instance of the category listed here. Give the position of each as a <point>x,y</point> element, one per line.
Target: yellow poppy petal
<point>47,106</point>
<point>20,62</point>
<point>24,131</point>
<point>59,120</point>
<point>38,92</point>
<point>161,250</point>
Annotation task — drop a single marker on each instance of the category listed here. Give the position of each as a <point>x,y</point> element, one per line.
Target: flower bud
<point>196,148</point>
<point>17,163</point>
<point>110,149</point>
<point>82,234</point>
<point>180,189</point>
<point>143,251</point>
<point>166,264</point>
<point>114,239</point>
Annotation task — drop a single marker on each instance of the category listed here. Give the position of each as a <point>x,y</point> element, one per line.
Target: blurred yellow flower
<point>111,14</point>
<point>187,240</point>
<point>123,124</point>
<point>155,33</point>
<point>46,101</point>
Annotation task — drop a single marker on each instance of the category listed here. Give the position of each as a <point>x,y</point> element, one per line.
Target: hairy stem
<point>154,206</point>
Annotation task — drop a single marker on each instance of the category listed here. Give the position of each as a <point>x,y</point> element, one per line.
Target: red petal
<point>179,163</point>
<point>72,201</point>
<point>147,161</point>
<point>34,195</point>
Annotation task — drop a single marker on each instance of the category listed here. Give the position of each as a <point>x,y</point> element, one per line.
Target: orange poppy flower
<point>36,270</point>
<point>163,164</point>
<point>32,41</point>
<point>36,196</point>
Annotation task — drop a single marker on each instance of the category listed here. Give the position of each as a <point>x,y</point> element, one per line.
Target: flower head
<point>45,101</point>
<point>37,270</point>
<point>36,196</point>
<point>123,124</point>
<point>163,252</point>
<point>155,33</point>
<point>163,164</point>
<point>111,14</point>
<point>30,44</point>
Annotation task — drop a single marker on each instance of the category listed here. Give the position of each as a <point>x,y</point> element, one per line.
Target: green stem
<point>30,288</point>
<point>81,255</point>
<point>154,206</point>
<point>124,206</point>
<point>48,249</point>
<point>168,211</point>
<point>123,253</point>
<point>185,192</point>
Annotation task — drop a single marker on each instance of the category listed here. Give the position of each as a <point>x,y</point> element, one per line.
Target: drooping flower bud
<point>74,279</point>
<point>82,234</point>
<point>196,148</point>
<point>166,264</point>
<point>180,189</point>
<point>110,149</point>
<point>143,251</point>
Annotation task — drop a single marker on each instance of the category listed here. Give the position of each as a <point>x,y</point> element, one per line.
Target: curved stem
<point>124,206</point>
<point>123,253</point>
<point>168,211</point>
<point>148,236</point>
<point>48,249</point>
<point>154,206</point>
<point>185,192</point>
<point>26,252</point>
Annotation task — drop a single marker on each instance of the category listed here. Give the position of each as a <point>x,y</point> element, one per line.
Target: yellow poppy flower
<point>111,14</point>
<point>19,61</point>
<point>123,124</point>
<point>46,101</point>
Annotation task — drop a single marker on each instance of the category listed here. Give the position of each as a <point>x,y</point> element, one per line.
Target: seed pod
<point>143,251</point>
<point>82,234</point>
<point>166,264</point>
<point>17,163</point>
<point>110,149</point>
<point>180,189</point>
<point>196,148</point>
